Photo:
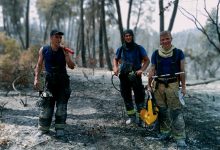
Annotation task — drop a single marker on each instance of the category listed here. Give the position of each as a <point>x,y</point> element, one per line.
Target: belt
<point>167,80</point>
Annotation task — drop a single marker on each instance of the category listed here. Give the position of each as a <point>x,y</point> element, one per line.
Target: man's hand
<point>116,71</point>
<point>139,72</point>
<point>64,51</point>
<point>149,88</point>
<point>36,84</point>
<point>184,90</point>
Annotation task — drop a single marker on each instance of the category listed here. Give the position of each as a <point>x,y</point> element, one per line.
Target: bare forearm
<point>115,63</point>
<point>183,80</point>
<point>150,75</point>
<point>182,76</point>
<point>115,68</point>
<point>145,64</point>
<point>69,62</point>
<point>37,71</point>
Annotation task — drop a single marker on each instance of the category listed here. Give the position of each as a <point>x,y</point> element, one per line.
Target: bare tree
<point>107,56</point>
<point>83,51</point>
<point>161,15</point>
<point>49,18</point>
<point>120,25</point>
<point>27,24</point>
<point>129,14</point>
<point>93,30</point>
<point>214,21</point>
<point>101,53</point>
<point>162,9</point>
<point>52,15</point>
<point>78,42</point>
<point>139,13</point>
<point>172,19</point>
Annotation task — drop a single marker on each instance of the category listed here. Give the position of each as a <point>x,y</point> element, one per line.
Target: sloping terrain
<point>96,118</point>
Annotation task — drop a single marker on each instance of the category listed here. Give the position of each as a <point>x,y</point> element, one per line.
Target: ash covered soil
<point>96,118</point>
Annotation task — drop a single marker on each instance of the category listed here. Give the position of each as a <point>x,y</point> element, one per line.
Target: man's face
<point>128,38</point>
<point>56,39</point>
<point>165,41</point>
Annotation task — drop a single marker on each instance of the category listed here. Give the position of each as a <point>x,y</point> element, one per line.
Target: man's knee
<point>177,116</point>
<point>61,110</point>
<point>46,112</point>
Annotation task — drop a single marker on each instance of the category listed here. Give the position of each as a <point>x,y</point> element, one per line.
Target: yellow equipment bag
<point>149,115</point>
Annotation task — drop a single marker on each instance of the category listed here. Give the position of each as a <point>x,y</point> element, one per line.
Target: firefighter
<point>55,58</point>
<point>130,62</point>
<point>168,60</point>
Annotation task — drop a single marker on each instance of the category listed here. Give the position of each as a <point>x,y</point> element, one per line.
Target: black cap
<point>55,31</point>
<point>128,31</point>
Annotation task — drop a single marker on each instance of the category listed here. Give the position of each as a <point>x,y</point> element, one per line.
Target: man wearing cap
<point>130,62</point>
<point>57,83</point>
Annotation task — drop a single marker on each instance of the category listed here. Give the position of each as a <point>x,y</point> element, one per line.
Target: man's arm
<point>115,68</point>
<point>146,62</point>
<point>69,61</point>
<point>182,76</point>
<point>150,77</point>
<point>38,69</point>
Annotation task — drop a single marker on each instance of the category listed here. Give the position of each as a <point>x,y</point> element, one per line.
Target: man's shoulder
<point>179,54</point>
<point>178,50</point>
<point>140,48</point>
<point>155,52</point>
<point>119,49</point>
<point>138,45</point>
<point>45,48</point>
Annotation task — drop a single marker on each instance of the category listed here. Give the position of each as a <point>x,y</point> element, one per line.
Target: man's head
<point>56,32</point>
<point>128,36</point>
<point>56,37</point>
<point>165,39</point>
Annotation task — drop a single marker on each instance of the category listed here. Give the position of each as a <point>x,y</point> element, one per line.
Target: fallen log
<point>202,82</point>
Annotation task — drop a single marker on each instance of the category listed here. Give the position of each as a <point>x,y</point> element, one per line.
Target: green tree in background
<point>13,18</point>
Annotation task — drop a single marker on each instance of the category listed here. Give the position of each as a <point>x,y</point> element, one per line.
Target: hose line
<point>114,84</point>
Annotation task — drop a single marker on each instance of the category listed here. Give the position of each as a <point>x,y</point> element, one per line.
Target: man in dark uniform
<point>55,59</point>
<point>133,60</point>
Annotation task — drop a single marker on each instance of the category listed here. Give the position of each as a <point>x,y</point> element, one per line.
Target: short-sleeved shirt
<point>166,64</point>
<point>131,56</point>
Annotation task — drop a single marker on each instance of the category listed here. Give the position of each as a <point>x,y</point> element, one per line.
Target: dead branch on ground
<point>202,82</point>
<point>2,107</point>
<point>24,103</point>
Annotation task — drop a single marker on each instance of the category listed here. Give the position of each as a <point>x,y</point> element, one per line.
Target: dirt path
<point>96,118</point>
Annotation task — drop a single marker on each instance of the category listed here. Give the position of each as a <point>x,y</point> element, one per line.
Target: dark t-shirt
<point>167,63</point>
<point>131,56</point>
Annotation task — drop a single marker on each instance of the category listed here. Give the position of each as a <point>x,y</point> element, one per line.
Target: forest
<point>93,29</point>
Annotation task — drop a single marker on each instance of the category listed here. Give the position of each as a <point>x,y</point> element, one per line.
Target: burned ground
<point>96,118</point>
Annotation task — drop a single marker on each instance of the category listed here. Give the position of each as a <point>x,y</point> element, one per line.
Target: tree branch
<point>199,26</point>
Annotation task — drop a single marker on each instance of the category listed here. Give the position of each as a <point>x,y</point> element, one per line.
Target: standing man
<point>168,60</point>
<point>133,60</point>
<point>55,58</point>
